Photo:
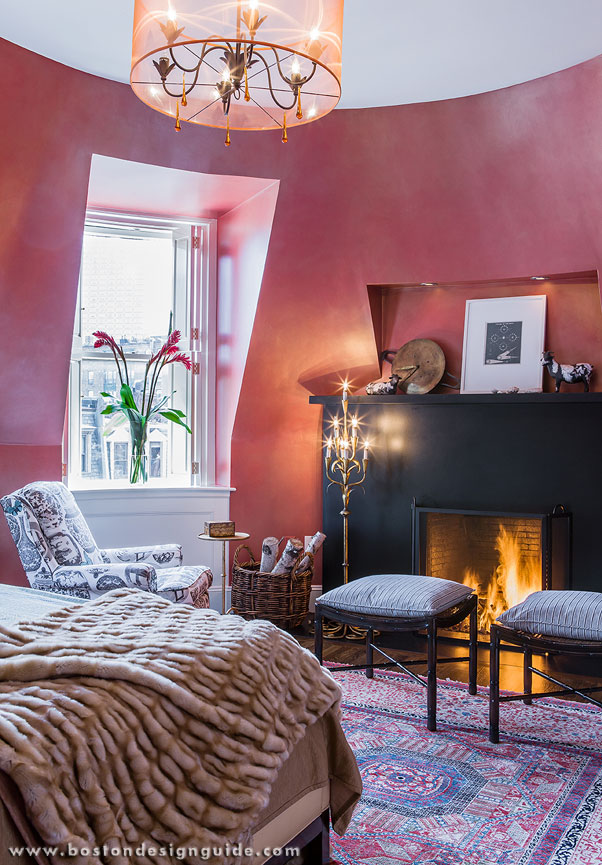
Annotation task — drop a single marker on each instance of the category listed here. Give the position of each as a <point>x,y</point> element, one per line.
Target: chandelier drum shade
<point>238,64</point>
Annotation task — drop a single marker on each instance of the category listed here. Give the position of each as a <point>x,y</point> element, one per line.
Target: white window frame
<point>195,314</point>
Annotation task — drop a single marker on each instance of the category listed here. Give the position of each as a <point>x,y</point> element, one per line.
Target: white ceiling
<point>394,51</point>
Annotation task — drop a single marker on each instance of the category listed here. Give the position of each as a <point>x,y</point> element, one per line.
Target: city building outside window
<point>137,276</point>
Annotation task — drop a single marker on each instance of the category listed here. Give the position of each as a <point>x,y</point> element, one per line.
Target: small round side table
<point>237,536</point>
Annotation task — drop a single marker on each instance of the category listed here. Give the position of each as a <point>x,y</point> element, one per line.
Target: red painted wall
<point>507,183</point>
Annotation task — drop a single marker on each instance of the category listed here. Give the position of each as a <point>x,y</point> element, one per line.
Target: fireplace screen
<point>503,556</point>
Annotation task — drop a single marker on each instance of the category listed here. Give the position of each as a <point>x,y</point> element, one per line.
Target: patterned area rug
<point>453,798</point>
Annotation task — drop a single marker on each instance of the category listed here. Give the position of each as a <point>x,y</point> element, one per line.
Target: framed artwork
<point>503,343</point>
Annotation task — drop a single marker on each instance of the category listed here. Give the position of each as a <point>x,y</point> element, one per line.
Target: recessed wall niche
<point>573,322</point>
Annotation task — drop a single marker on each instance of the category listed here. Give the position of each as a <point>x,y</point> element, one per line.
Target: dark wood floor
<point>575,671</point>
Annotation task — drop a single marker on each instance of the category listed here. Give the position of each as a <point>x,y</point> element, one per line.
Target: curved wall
<point>502,184</point>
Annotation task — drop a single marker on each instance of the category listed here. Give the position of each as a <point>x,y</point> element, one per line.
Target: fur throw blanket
<point>131,720</point>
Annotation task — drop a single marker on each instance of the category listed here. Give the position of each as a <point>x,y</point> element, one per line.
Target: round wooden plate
<point>420,365</point>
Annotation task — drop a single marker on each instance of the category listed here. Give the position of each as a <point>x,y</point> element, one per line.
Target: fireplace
<point>504,556</point>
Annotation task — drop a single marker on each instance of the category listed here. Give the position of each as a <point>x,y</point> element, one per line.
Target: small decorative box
<point>220,530</point>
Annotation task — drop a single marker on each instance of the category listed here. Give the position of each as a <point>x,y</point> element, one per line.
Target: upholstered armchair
<point>60,555</point>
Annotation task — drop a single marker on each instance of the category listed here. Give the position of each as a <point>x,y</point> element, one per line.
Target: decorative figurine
<point>381,388</point>
<point>567,372</point>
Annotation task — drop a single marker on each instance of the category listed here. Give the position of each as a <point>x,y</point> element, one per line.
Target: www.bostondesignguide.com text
<point>203,853</point>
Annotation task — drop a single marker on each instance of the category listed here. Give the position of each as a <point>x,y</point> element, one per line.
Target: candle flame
<point>171,13</point>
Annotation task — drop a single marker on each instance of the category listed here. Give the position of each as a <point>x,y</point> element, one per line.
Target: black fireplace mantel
<point>444,399</point>
<point>499,452</point>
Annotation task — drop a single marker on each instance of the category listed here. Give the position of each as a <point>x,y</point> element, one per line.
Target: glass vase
<point>138,463</point>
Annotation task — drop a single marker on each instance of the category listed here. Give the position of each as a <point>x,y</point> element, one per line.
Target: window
<point>137,276</point>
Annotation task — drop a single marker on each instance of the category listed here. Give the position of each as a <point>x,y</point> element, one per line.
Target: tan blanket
<point>130,721</point>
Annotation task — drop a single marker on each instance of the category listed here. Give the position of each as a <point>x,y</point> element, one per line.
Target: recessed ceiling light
<point>539,278</point>
<point>429,284</point>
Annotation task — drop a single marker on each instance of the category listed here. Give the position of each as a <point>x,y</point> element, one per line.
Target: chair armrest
<point>159,555</point>
<point>89,581</point>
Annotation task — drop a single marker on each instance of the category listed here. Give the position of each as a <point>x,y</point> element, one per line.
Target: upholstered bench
<point>402,602</point>
<point>565,622</point>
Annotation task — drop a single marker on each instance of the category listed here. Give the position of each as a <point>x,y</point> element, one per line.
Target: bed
<point>319,778</point>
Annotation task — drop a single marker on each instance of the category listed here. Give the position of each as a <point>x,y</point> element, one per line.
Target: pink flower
<point>180,358</point>
<point>170,346</point>
<point>103,338</point>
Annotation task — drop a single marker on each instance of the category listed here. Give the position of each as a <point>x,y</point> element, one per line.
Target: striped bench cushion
<point>404,596</point>
<point>567,614</point>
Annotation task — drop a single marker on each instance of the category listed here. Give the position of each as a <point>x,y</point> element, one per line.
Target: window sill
<point>91,490</point>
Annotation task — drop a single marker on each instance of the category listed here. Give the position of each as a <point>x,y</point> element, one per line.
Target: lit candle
<point>171,14</point>
<point>329,448</point>
<point>354,427</point>
<point>335,425</point>
<point>345,390</point>
<point>366,446</point>
<point>344,446</point>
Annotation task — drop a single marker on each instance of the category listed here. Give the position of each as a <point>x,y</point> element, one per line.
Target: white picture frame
<point>503,343</point>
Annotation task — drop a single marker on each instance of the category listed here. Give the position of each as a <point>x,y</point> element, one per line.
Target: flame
<point>515,577</point>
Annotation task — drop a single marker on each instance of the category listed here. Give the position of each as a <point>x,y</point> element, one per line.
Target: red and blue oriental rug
<point>453,798</point>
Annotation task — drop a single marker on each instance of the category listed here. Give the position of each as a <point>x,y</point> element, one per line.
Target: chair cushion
<point>188,584</point>
<point>62,523</point>
<point>567,614</point>
<point>403,596</point>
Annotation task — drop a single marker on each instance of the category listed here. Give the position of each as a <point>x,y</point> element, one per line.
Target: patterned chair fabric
<point>59,553</point>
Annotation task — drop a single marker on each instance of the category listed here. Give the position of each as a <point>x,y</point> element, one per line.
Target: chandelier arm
<point>191,68</point>
<point>196,71</point>
<point>204,53</point>
<point>301,82</point>
<point>272,94</point>
<point>271,65</point>
<point>311,74</point>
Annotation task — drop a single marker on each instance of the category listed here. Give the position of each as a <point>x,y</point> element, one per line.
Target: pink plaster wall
<point>503,184</point>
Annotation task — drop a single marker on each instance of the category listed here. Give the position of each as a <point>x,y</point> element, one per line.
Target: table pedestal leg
<point>223,577</point>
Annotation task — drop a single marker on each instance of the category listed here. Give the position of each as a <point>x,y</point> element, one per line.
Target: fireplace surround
<point>504,556</point>
<point>503,453</point>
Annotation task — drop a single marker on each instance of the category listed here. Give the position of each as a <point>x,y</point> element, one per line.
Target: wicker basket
<point>281,598</point>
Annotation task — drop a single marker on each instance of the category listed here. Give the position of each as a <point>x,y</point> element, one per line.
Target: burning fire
<point>515,577</point>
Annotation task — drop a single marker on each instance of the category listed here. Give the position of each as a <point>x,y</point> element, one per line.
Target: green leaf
<point>174,418</point>
<point>110,409</point>
<point>104,393</point>
<point>127,397</point>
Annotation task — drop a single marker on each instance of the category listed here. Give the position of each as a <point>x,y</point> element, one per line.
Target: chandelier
<point>238,64</point>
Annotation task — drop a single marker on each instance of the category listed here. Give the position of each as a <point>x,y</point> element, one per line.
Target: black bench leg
<point>369,653</point>
<point>473,649</point>
<point>318,635</point>
<point>494,687</point>
<point>431,680</point>
<point>527,675</point>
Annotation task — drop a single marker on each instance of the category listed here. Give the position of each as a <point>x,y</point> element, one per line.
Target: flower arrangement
<point>139,417</point>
